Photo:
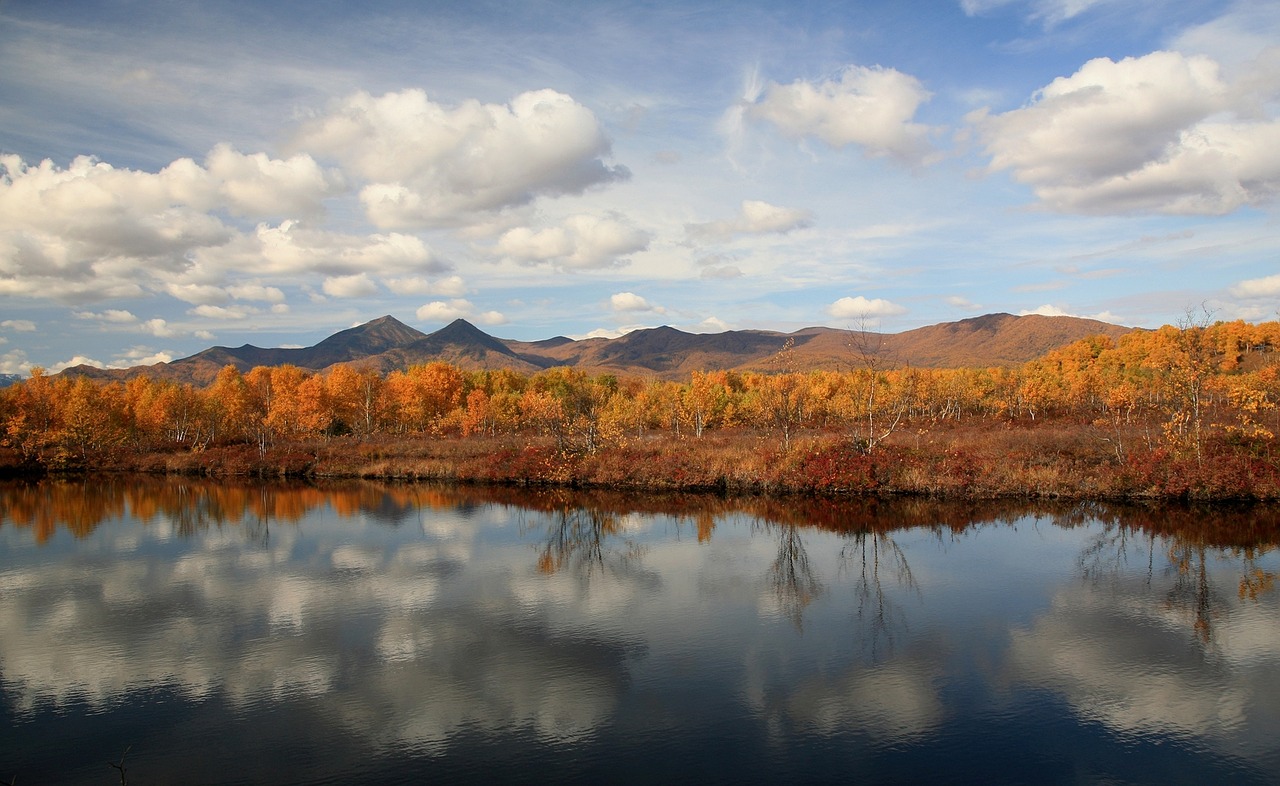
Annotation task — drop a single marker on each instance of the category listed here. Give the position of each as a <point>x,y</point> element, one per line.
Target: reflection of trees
<point>791,575</point>
<point>580,539</point>
<point>1107,553</point>
<point>1192,590</point>
<point>875,555</point>
<point>1192,539</point>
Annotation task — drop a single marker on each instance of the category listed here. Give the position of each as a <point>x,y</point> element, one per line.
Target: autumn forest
<point>1186,411</point>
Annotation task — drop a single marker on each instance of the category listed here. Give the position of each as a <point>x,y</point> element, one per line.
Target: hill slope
<point>386,344</point>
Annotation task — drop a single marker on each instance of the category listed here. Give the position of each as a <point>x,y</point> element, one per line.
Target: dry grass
<point>975,460</point>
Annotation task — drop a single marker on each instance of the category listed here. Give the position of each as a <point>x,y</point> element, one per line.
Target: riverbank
<point>980,461</point>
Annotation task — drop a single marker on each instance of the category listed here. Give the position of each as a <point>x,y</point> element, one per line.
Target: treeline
<point>1191,391</point>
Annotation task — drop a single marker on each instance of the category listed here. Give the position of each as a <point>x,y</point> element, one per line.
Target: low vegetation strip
<point>1185,412</point>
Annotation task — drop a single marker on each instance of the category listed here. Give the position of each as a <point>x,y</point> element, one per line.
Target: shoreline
<point>963,463</point>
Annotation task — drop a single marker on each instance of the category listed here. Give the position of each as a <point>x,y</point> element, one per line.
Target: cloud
<point>15,362</point>
<point>160,328</point>
<point>78,360</point>
<point>458,308</point>
<point>962,302</point>
<point>1048,12</point>
<point>979,7</point>
<point>712,325</point>
<point>870,107</point>
<point>257,185</point>
<point>1243,32</point>
<point>141,356</point>
<point>625,302</point>
<point>718,267</point>
<point>292,248</point>
<point>116,316</point>
<point>859,307</point>
<point>1161,133</point>
<point>427,164</point>
<point>581,242</point>
<point>754,218</point>
<point>1258,287</point>
<point>606,332</point>
<point>1047,310</point>
<point>450,286</point>
<point>199,294</point>
<point>251,291</point>
<point>358,285</point>
<point>19,325</point>
<point>721,273</point>
<point>91,231</point>
<point>225,312</point>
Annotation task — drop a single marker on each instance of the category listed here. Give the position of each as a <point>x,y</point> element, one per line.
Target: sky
<point>177,175</point>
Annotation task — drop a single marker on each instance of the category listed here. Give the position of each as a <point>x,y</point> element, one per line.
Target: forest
<point>1185,411</point>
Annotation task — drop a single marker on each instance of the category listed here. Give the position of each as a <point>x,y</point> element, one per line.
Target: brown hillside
<point>386,344</point>
<point>993,340</point>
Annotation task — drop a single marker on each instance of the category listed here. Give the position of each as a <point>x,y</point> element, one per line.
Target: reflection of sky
<point>414,635</point>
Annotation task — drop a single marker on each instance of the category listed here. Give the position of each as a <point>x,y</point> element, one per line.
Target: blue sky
<point>181,174</point>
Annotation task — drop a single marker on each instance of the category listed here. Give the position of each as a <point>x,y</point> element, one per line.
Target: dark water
<point>213,633</point>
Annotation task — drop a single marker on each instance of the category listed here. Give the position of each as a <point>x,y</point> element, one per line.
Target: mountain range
<point>387,344</point>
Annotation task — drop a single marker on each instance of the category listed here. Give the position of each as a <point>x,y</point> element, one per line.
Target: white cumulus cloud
<point>871,107</point>
<point>631,302</point>
<point>258,185</point>
<point>141,356</point>
<point>427,164</point>
<point>581,242</point>
<point>91,231</point>
<point>228,313</point>
<point>458,308</point>
<point>293,248</point>
<point>861,307</point>
<point>251,291</point>
<point>358,285</point>
<point>449,286</point>
<point>118,316</point>
<point>1161,133</point>
<point>199,294</point>
<point>1047,310</point>
<point>754,218</point>
<point>159,328</point>
<point>78,360</point>
<point>1268,286</point>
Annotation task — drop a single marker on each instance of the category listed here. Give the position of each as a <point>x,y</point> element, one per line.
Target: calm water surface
<point>215,633</point>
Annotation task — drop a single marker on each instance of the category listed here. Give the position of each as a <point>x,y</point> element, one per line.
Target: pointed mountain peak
<point>372,337</point>
<point>461,333</point>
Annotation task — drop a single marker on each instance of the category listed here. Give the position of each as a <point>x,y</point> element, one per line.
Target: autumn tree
<point>706,399</point>
<point>355,399</point>
<point>423,396</point>
<point>1186,358</point>
<point>33,416</point>
<point>238,405</point>
<point>580,400</point>
<point>872,358</point>
<point>91,419</point>
<point>780,397</point>
<point>297,408</point>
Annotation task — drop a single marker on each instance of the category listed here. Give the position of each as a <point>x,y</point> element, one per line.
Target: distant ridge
<point>387,344</point>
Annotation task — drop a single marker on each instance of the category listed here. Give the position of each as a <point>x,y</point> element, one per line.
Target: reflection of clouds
<point>485,674</point>
<point>366,625</point>
<point>1129,662</point>
<point>897,701</point>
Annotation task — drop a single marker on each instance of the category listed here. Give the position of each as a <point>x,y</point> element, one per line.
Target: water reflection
<point>873,557</point>
<point>466,623</point>
<point>584,540</point>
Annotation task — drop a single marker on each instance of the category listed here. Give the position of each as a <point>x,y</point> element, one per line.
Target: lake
<point>214,632</point>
